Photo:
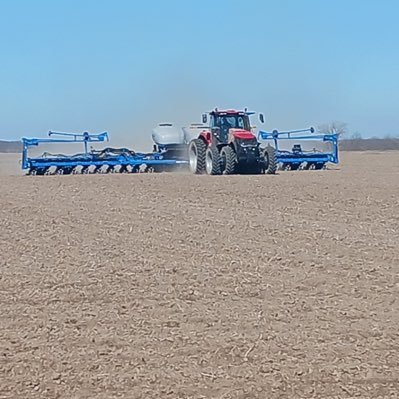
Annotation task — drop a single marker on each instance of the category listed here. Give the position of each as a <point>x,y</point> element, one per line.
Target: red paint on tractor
<point>242,134</point>
<point>207,137</point>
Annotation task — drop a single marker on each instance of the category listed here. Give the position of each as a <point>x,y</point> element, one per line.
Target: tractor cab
<point>221,122</point>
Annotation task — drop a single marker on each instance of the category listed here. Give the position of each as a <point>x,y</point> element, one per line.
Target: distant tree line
<point>10,146</point>
<point>372,144</point>
<point>355,141</point>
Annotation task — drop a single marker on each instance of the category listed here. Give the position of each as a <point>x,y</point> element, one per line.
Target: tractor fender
<point>207,137</point>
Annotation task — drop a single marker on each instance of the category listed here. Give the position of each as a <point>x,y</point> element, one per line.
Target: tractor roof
<point>230,112</point>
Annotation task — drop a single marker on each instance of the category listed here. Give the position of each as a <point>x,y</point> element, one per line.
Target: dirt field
<point>10,165</point>
<point>181,286</point>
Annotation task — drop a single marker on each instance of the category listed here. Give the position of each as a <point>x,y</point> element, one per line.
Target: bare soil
<point>181,286</point>
<point>10,165</point>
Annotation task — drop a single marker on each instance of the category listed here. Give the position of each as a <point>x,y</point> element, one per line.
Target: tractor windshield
<point>226,122</point>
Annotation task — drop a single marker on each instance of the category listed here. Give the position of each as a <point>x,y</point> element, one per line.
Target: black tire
<point>315,166</point>
<point>229,160</point>
<point>196,153</point>
<point>295,166</point>
<point>40,172</point>
<point>269,156</point>
<point>282,166</point>
<point>213,161</point>
<point>307,166</point>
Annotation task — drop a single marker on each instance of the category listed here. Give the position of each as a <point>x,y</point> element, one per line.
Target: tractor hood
<point>241,134</point>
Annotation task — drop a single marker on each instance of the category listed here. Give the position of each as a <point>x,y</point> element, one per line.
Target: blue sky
<point>123,66</point>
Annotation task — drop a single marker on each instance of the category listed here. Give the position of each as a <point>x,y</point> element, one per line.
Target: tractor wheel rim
<point>209,162</point>
<point>193,159</point>
<point>266,157</point>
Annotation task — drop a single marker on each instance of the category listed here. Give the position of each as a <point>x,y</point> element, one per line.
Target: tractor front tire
<point>196,153</point>
<point>213,162</point>
<point>269,155</point>
<point>229,160</point>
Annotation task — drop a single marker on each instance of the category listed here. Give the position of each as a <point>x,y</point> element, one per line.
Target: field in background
<point>10,146</point>
<point>181,286</point>
<point>10,165</point>
<point>386,144</point>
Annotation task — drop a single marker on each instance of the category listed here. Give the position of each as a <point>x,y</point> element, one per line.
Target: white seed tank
<point>166,134</point>
<point>193,131</point>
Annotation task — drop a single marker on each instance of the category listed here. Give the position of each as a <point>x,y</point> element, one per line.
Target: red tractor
<point>228,146</point>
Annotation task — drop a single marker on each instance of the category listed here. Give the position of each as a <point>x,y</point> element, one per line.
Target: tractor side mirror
<point>261,118</point>
<point>204,118</point>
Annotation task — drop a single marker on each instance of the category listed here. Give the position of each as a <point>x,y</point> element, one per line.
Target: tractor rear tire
<point>229,160</point>
<point>269,155</point>
<point>196,153</point>
<point>213,161</point>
